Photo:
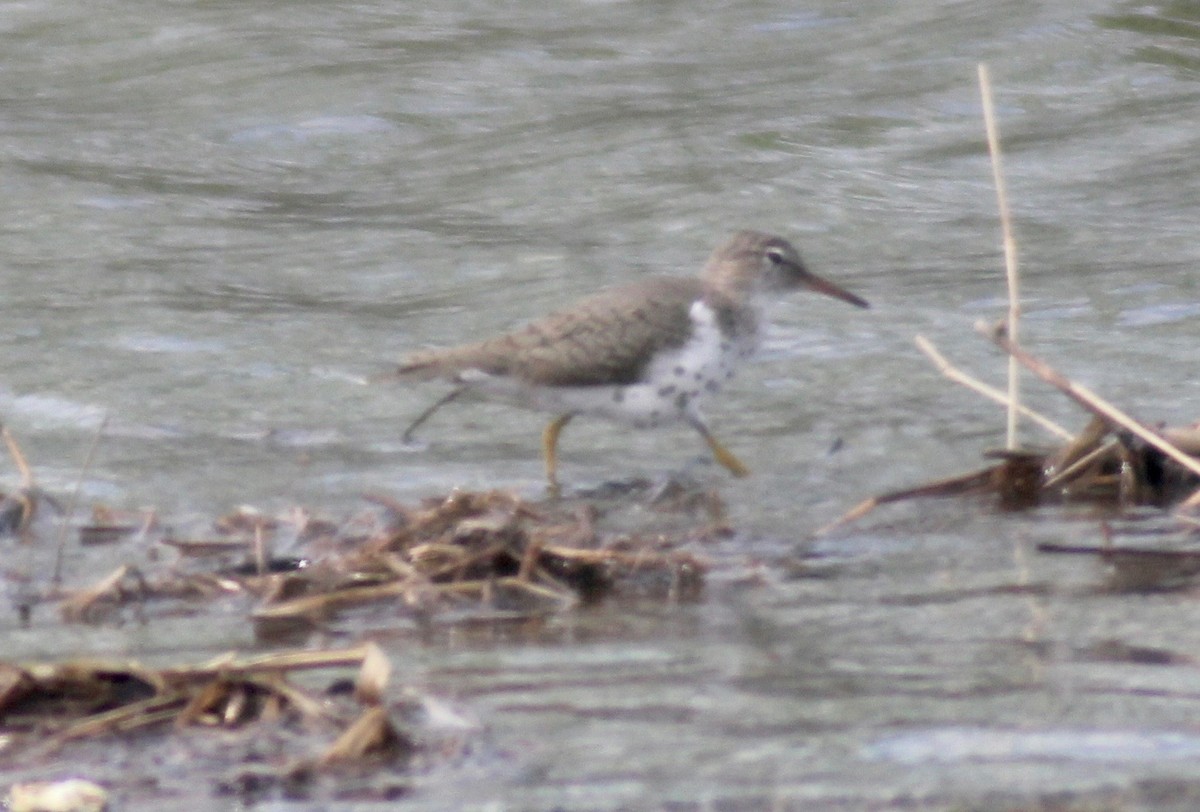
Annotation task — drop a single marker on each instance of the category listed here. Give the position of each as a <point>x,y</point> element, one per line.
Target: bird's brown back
<point>605,339</point>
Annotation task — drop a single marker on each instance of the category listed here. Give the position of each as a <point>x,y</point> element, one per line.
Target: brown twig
<point>950,486</point>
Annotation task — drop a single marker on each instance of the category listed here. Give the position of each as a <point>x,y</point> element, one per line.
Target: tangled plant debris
<point>44,707</point>
<point>1115,461</point>
<point>463,557</point>
<point>488,553</point>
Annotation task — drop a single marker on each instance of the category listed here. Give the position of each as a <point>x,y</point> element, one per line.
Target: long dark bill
<point>826,287</point>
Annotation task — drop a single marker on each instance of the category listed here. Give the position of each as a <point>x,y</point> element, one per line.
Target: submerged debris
<point>44,706</point>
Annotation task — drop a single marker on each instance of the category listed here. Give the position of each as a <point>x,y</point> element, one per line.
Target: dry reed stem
<point>564,597</point>
<point>372,733</point>
<point>260,549</point>
<point>1191,502</point>
<point>1010,251</point>
<point>958,376</point>
<point>123,718</point>
<point>308,706</point>
<point>70,512</point>
<point>268,663</point>
<point>216,693</point>
<point>18,458</point>
<point>1088,399</point>
<point>1076,466</point>
<point>27,495</point>
<point>373,676</point>
<point>76,607</point>
<point>853,514</point>
<point>321,605</point>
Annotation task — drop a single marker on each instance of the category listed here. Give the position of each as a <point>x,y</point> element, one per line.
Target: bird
<point>643,354</point>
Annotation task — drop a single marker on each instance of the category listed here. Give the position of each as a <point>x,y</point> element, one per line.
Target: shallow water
<point>220,219</point>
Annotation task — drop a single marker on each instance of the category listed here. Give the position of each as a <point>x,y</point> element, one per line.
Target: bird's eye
<point>775,255</point>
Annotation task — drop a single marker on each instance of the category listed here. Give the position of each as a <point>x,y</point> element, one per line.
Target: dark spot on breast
<point>666,391</point>
<point>699,376</point>
<point>679,371</point>
<point>681,402</point>
<point>618,396</point>
<point>712,386</point>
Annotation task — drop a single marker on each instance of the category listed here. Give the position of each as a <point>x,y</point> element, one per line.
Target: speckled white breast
<point>676,381</point>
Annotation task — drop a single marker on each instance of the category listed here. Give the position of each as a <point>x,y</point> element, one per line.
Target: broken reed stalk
<point>1069,470</point>
<point>27,495</point>
<point>228,692</point>
<point>1010,251</point>
<point>1191,503</point>
<point>951,486</point>
<point>229,662</point>
<point>18,458</point>
<point>70,512</point>
<point>974,384</point>
<point>1086,398</point>
<point>260,549</point>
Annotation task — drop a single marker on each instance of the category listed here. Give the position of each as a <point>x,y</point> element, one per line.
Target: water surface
<point>219,219</point>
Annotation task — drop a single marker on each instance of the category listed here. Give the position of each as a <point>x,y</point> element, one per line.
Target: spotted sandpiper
<point>643,354</point>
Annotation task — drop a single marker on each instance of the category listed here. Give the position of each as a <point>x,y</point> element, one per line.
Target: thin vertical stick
<point>70,514</point>
<point>1010,252</point>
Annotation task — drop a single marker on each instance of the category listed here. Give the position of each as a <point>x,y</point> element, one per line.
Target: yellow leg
<point>550,448</point>
<point>722,454</point>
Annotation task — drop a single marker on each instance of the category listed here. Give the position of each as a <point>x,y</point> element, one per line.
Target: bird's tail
<point>421,365</point>
<point>443,363</point>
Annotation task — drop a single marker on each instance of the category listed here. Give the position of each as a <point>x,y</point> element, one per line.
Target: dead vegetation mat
<point>345,726</point>
<point>465,557</point>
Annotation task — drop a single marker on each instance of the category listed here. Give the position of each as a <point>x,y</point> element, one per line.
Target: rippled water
<point>219,219</point>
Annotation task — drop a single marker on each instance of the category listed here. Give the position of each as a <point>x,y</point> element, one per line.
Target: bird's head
<point>751,262</point>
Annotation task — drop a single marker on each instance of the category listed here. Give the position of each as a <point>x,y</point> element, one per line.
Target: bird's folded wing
<point>606,339</point>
